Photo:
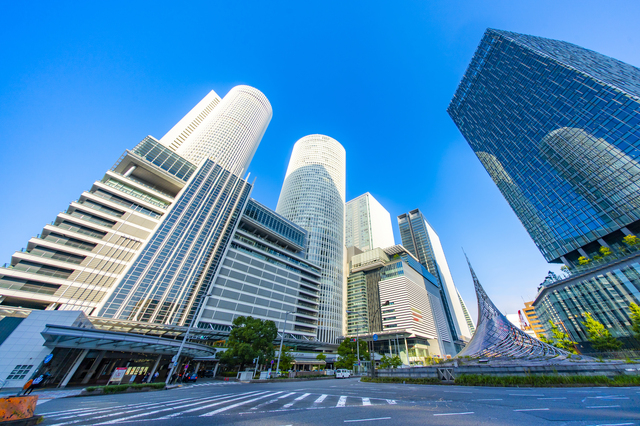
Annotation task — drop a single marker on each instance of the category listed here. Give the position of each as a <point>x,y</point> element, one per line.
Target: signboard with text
<point>118,374</point>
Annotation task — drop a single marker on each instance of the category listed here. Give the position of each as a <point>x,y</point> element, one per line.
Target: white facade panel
<point>368,224</point>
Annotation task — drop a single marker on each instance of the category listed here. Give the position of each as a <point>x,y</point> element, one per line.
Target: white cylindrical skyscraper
<point>313,197</point>
<point>227,131</point>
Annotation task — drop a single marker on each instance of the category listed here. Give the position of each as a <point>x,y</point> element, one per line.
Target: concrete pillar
<point>93,368</point>
<point>197,367</point>
<point>155,367</point>
<point>74,368</point>
<point>582,252</point>
<point>406,348</point>
<point>626,231</point>
<point>129,171</point>
<point>603,243</point>
<point>215,370</point>
<point>566,262</point>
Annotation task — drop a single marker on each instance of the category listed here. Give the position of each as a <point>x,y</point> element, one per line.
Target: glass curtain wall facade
<point>313,197</point>
<point>367,224</point>
<point>557,127</point>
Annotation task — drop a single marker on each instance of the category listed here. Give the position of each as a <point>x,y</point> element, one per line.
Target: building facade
<point>557,127</point>
<point>423,242</point>
<point>390,292</point>
<point>142,243</point>
<point>264,274</point>
<point>367,224</point>
<point>313,197</point>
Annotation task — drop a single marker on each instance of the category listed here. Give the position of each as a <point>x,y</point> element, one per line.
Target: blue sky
<point>80,82</point>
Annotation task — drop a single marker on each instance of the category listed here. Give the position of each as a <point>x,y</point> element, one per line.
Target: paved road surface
<point>333,402</point>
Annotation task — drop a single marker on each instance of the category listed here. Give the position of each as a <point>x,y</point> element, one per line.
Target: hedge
<point>533,381</point>
<point>123,388</point>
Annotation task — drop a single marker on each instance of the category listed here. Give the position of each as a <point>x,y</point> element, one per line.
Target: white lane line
<point>457,392</point>
<point>523,394</point>
<point>391,401</point>
<point>320,399</point>
<point>454,414</point>
<point>149,413</point>
<point>616,424</point>
<point>244,395</point>
<point>556,397</point>
<point>603,406</point>
<point>367,420</point>
<point>301,397</point>
<point>220,410</point>
<point>366,401</point>
<point>532,409</point>
<point>342,401</point>
<point>489,399</point>
<point>272,401</point>
<point>608,397</point>
<point>96,410</point>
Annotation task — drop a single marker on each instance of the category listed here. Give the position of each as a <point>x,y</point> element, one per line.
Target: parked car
<point>208,373</point>
<point>190,377</point>
<point>343,373</point>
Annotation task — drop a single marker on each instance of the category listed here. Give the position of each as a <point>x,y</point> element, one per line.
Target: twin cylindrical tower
<point>313,197</point>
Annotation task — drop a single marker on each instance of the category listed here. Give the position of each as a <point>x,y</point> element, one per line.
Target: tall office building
<point>313,197</point>
<point>390,293</point>
<point>143,242</point>
<point>367,224</point>
<point>422,241</point>
<point>557,127</point>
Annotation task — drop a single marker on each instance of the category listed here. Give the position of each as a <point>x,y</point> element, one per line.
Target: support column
<point>129,171</point>
<point>215,370</point>
<point>603,243</point>
<point>626,231</point>
<point>155,367</point>
<point>406,348</point>
<point>582,252</point>
<point>73,370</point>
<point>93,368</point>
<point>197,367</point>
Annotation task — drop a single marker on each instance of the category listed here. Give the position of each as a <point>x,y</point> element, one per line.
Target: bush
<point>233,374</point>
<point>123,388</point>
<point>413,381</point>
<point>533,381</point>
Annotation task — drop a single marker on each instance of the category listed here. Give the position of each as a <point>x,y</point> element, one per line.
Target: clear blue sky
<point>80,82</point>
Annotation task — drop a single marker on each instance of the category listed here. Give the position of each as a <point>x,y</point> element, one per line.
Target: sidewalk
<point>44,395</point>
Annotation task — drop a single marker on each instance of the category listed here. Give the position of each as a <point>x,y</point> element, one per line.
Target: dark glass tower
<point>557,127</point>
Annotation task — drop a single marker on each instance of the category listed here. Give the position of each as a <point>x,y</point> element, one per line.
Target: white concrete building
<point>313,197</point>
<point>367,224</point>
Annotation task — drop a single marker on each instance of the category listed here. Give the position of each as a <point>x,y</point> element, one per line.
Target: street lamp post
<point>281,339</point>
<point>357,335</point>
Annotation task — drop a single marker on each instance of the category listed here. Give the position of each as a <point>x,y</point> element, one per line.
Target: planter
<point>18,410</point>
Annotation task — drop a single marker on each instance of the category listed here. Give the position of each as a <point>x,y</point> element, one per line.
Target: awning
<point>312,362</point>
<point>59,336</point>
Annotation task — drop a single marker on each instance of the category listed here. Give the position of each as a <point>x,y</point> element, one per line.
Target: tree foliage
<point>559,339</point>
<point>631,240</point>
<point>286,359</point>
<point>605,251</point>
<point>601,339</point>
<point>347,353</point>
<point>635,320</point>
<point>321,357</point>
<point>583,260</point>
<point>249,338</point>
<point>390,361</point>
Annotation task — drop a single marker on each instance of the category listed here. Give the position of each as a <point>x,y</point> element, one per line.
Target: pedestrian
<point>155,377</point>
<point>174,376</point>
<point>34,384</point>
<point>145,379</point>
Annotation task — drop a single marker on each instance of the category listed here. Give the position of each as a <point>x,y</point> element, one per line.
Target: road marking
<point>489,399</point>
<point>147,413</point>
<point>320,399</point>
<point>342,401</point>
<point>557,397</point>
<point>453,414</point>
<point>603,406</point>
<point>367,420</point>
<point>616,424</point>
<point>532,409</point>
<point>523,394</point>
<point>220,410</point>
<point>244,395</point>
<point>391,401</point>
<point>457,392</point>
<point>301,397</point>
<point>366,401</point>
<point>272,401</point>
<point>608,397</point>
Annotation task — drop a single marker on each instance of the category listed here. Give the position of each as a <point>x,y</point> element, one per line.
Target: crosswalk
<point>216,383</point>
<point>210,406</point>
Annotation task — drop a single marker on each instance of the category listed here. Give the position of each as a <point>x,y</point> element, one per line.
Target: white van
<point>343,374</point>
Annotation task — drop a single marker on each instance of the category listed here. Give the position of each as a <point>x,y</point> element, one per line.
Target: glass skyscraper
<point>557,127</point>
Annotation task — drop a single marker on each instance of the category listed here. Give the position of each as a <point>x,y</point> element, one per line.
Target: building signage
<point>118,374</point>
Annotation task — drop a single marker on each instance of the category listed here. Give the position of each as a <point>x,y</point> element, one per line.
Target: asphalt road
<point>343,401</point>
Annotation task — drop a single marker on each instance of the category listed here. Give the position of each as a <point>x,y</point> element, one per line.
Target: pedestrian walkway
<point>229,403</point>
<point>46,395</point>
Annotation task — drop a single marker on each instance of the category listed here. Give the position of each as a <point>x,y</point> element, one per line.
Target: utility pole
<point>281,340</point>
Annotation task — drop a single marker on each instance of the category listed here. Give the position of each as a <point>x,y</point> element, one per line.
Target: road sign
<point>48,358</point>
<point>375,337</point>
<point>271,362</point>
<point>118,374</point>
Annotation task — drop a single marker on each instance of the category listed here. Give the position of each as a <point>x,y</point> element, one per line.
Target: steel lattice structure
<point>496,336</point>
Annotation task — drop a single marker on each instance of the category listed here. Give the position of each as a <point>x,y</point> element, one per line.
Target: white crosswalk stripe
<point>211,405</point>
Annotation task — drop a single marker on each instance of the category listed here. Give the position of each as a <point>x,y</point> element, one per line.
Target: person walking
<point>34,384</point>
<point>145,379</point>
<point>155,377</point>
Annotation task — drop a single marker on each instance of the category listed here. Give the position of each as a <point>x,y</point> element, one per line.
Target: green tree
<point>321,357</point>
<point>600,338</point>
<point>286,359</point>
<point>559,339</point>
<point>347,353</point>
<point>390,361</point>
<point>583,260</point>
<point>631,240</point>
<point>249,338</point>
<point>635,320</point>
<point>605,251</point>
